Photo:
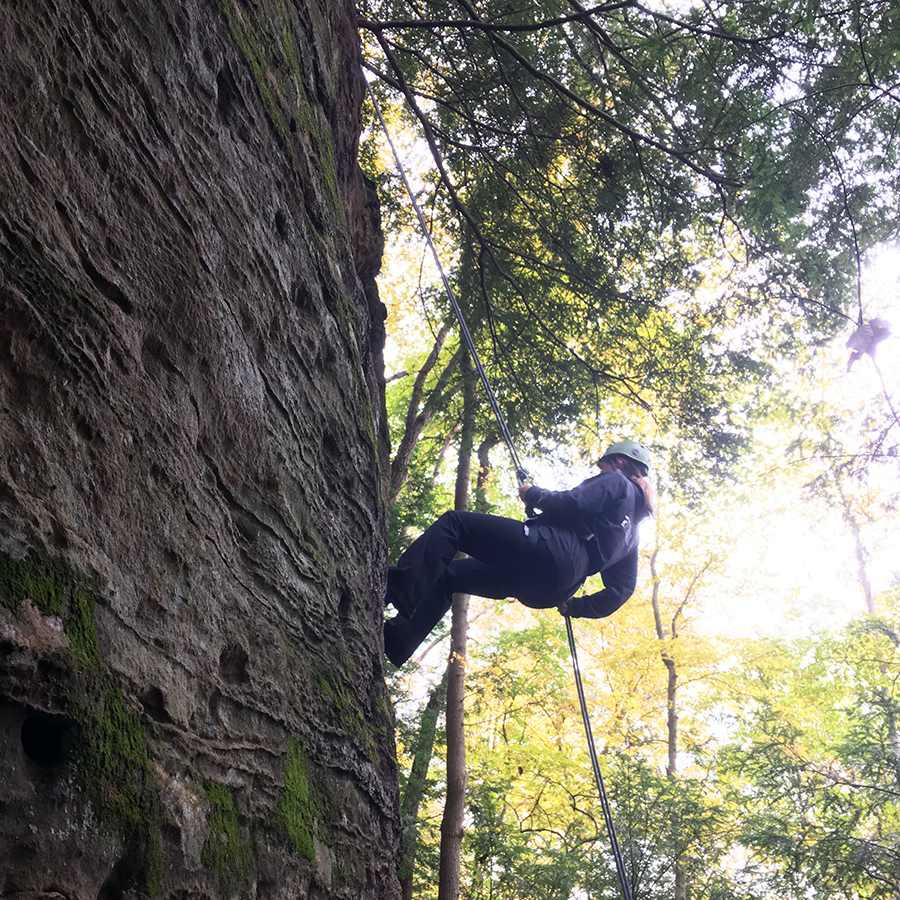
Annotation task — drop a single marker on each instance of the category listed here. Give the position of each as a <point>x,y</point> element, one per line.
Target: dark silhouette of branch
<point>487,245</point>
<point>480,25</point>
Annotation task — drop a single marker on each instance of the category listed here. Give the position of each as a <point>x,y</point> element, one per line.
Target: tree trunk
<point>484,470</point>
<point>862,556</point>
<point>681,883</point>
<point>415,785</point>
<point>672,677</point>
<point>457,774</point>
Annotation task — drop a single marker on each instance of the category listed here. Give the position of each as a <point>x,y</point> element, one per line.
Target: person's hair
<point>637,472</point>
<point>631,468</point>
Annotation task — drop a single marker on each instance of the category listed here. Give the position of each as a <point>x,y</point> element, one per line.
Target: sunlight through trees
<point>659,220</point>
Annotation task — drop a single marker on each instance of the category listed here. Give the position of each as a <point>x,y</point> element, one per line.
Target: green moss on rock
<point>347,714</point>
<point>113,760</point>
<point>298,807</point>
<point>38,577</point>
<point>224,851</point>
<point>80,628</point>
<point>252,46</point>
<point>111,757</point>
<point>113,764</point>
<point>260,33</point>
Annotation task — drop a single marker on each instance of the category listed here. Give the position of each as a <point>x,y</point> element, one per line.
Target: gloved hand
<point>523,490</point>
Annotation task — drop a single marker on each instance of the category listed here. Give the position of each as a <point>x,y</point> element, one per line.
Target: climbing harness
<point>522,477</point>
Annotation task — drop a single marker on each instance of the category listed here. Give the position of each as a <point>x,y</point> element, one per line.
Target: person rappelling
<point>590,529</point>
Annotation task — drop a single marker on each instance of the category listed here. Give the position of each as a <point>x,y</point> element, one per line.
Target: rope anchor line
<point>522,476</point>
<point>595,765</point>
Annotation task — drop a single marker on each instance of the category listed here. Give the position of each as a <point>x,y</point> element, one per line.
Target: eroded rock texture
<point>191,534</point>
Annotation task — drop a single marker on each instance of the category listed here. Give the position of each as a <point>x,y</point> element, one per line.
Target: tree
<point>597,157</point>
<point>813,767</point>
<point>667,635</point>
<point>653,210</point>
<point>457,775</point>
<point>416,782</point>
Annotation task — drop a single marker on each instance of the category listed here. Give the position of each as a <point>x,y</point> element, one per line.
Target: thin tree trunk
<point>671,680</point>
<point>862,557</point>
<point>457,774</point>
<point>484,470</point>
<point>681,883</point>
<point>415,784</point>
<point>862,566</point>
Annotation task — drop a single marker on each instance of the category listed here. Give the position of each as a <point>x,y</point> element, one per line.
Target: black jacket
<point>602,513</point>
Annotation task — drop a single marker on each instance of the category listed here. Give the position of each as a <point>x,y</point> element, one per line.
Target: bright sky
<point>804,562</point>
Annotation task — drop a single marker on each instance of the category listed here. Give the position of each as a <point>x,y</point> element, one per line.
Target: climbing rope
<point>595,764</point>
<point>522,476</point>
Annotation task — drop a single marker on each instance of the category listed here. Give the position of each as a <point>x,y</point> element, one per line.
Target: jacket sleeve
<point>556,505</point>
<point>573,507</point>
<point>619,582</point>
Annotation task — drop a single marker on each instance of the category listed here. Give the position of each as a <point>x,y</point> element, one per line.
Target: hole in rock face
<point>154,704</point>
<point>28,172</point>
<point>281,224</point>
<point>227,92</point>
<point>109,290</point>
<point>44,739</point>
<point>121,881</point>
<point>84,429</point>
<point>303,296</point>
<point>111,890</point>
<point>330,446</point>
<point>233,665</point>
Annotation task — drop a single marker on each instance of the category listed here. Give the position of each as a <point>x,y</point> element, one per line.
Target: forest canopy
<point>658,219</point>
<point>597,169</point>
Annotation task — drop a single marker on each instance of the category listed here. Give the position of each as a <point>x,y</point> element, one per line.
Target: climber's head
<point>633,461</point>
<point>629,457</point>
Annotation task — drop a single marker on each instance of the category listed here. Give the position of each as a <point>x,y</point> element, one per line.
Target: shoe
<point>392,598</point>
<point>399,645</point>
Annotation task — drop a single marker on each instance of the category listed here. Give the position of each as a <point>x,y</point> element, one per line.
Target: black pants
<point>502,561</point>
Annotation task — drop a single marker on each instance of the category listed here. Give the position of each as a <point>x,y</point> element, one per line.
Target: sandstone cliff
<point>191,533</point>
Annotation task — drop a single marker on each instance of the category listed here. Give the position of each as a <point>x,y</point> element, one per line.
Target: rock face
<point>191,527</point>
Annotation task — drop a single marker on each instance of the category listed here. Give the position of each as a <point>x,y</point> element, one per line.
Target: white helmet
<point>633,450</point>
